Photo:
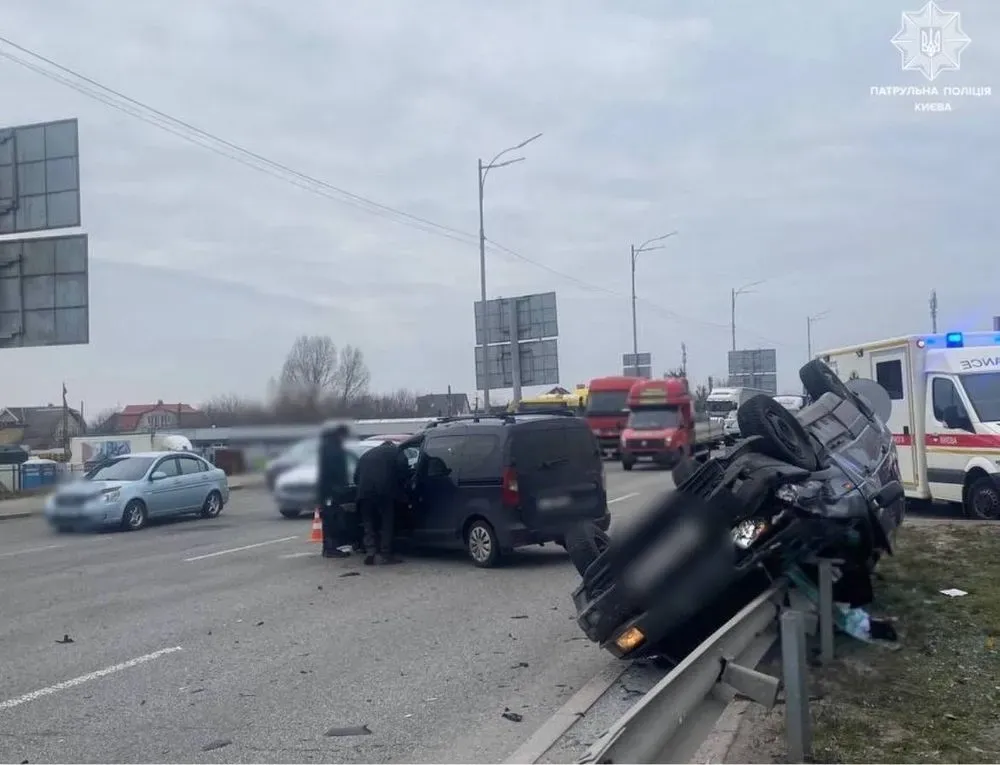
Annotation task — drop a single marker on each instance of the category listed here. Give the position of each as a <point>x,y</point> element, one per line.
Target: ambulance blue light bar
<point>954,340</point>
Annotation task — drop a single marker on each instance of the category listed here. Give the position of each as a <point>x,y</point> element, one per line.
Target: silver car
<point>306,450</point>
<point>127,491</point>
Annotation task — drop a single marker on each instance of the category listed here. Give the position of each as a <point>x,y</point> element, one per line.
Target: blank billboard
<point>539,364</point>
<point>44,292</point>
<point>756,361</point>
<point>536,318</point>
<point>39,177</point>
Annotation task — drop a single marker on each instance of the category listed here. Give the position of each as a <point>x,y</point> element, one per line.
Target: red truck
<point>607,409</point>
<point>661,425</point>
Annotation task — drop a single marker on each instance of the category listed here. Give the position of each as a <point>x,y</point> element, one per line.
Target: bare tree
<point>700,397</point>
<point>676,372</point>
<point>104,423</point>
<point>351,377</point>
<point>309,371</point>
<point>230,409</point>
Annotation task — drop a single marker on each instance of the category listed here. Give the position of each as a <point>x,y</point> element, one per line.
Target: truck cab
<point>606,409</point>
<point>945,419</point>
<point>660,426</point>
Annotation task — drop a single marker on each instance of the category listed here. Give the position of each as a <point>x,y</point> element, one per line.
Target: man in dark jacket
<point>380,477</point>
<point>333,483</point>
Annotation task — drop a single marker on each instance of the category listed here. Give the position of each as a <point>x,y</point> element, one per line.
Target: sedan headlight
<point>749,531</point>
<point>112,495</point>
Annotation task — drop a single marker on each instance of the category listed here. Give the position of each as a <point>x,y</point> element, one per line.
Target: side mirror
<point>953,418</point>
<point>158,475</point>
<point>890,494</point>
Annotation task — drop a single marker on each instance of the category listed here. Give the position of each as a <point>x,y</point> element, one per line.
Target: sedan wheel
<point>212,506</point>
<point>134,517</point>
<point>483,546</point>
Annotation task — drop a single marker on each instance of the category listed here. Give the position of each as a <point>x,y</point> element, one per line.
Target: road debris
<point>350,730</point>
<point>66,639</point>
<point>219,743</point>
<point>954,592</point>
<point>512,716</point>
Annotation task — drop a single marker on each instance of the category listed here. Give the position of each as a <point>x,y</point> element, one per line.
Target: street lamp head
<point>747,287</point>
<point>526,142</point>
<point>644,247</point>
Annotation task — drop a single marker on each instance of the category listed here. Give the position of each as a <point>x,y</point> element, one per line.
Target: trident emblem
<point>930,41</point>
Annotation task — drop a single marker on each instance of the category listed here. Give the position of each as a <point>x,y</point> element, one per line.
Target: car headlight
<point>799,494</point>
<point>749,531</point>
<point>112,495</point>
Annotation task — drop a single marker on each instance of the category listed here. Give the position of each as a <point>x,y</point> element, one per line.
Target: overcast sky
<point>748,127</point>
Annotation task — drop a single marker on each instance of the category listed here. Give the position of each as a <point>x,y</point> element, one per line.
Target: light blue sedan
<point>127,491</point>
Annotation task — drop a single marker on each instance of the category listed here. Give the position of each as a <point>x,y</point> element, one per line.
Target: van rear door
<point>560,475</point>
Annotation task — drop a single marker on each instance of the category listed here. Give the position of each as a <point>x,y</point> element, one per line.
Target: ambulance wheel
<point>982,499</point>
<point>782,435</point>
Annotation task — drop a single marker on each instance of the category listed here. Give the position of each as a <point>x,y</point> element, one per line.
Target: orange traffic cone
<point>316,535</point>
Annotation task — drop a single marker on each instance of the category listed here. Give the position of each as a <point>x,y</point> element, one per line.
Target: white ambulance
<point>945,392</point>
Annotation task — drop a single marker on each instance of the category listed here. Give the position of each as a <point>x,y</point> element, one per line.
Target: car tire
<point>212,506</point>
<point>482,544</point>
<point>817,378</point>
<point>683,470</point>
<point>64,528</point>
<point>782,435</point>
<point>290,513</point>
<point>585,542</point>
<point>982,499</point>
<point>134,516</point>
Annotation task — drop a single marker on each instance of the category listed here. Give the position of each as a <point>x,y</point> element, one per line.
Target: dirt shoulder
<point>933,699</point>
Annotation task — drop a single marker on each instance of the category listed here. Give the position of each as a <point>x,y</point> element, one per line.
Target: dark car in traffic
<point>493,483</point>
<point>822,482</point>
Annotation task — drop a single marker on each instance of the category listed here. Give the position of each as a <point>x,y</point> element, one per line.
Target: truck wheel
<point>982,499</point>
<point>627,464</point>
<point>783,436</point>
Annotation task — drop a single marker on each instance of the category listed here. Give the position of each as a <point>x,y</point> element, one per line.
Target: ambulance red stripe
<point>956,440</point>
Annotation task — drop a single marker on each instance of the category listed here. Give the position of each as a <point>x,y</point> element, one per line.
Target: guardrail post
<point>826,611</point>
<point>794,668</point>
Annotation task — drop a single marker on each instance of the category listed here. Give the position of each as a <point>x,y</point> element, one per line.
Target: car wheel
<point>482,543</point>
<point>290,513</point>
<point>782,435</point>
<point>817,378</point>
<point>982,499</point>
<point>683,470</point>
<point>212,506</point>
<point>585,543</point>
<point>134,516</point>
<point>64,529</point>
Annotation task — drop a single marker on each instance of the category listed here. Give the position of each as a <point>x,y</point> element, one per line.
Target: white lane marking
<point>67,684</point>
<point>623,497</point>
<point>297,555</point>
<point>30,550</point>
<point>239,549</point>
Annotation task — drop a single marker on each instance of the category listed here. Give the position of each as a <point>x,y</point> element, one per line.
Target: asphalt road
<point>232,640</point>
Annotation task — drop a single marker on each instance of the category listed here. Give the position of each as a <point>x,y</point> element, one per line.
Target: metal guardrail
<point>686,702</point>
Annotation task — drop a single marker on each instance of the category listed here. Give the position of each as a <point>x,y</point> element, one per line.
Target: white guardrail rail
<point>674,718</point>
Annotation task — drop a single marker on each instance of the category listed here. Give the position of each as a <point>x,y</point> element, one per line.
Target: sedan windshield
<point>302,451</point>
<point>655,419</point>
<point>983,390</point>
<point>122,469</point>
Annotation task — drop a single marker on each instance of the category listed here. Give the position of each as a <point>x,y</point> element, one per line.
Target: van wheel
<point>482,543</point>
<point>982,499</point>
<point>782,435</point>
<point>628,463</point>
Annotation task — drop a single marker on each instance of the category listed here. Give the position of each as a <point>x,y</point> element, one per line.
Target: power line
<point>187,131</point>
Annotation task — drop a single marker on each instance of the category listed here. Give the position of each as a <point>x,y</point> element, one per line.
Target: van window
<point>889,374</point>
<point>581,446</point>
<point>945,396</point>
<point>478,457</point>
<point>446,448</point>
<point>531,447</point>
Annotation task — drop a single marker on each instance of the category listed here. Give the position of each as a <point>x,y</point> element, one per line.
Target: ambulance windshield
<point>983,390</point>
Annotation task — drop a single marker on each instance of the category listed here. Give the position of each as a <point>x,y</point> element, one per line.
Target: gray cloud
<point>750,130</point>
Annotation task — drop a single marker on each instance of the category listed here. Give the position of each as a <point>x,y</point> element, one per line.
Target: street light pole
<point>810,320</point>
<point>484,169</point>
<point>634,255</point>
<point>738,291</point>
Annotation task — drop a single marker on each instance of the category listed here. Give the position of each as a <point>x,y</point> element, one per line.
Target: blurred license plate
<point>554,503</point>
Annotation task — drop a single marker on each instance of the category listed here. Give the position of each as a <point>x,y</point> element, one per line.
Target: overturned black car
<point>823,482</point>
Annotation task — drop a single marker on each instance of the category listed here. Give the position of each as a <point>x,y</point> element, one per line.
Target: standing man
<point>333,482</point>
<point>380,475</point>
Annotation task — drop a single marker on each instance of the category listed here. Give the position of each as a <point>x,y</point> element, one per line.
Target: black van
<point>492,483</point>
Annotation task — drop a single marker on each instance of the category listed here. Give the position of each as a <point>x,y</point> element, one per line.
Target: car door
<point>194,482</point>
<point>165,492</point>
<point>435,493</point>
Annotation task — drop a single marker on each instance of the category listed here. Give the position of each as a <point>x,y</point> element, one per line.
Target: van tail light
<point>509,494</point>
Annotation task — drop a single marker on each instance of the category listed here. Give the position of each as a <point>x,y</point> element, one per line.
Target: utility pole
<point>649,244</point>
<point>732,306</point>
<point>684,359</point>
<point>65,424</point>
<point>934,307</point>
<point>484,169</point>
